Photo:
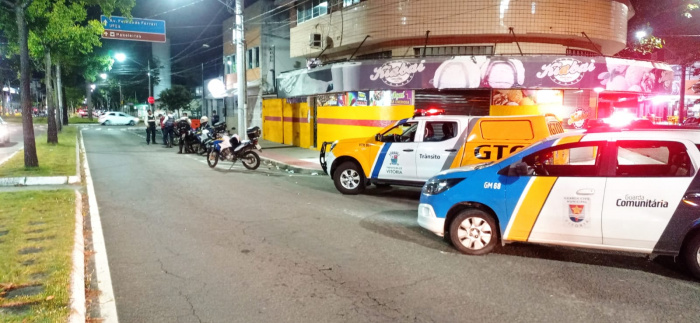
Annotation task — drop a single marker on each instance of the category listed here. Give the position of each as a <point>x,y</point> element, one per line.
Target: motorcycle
<point>230,148</point>
<point>207,136</point>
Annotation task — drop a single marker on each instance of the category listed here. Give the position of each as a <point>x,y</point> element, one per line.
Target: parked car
<point>4,132</point>
<point>84,114</point>
<point>117,118</point>
<point>626,190</point>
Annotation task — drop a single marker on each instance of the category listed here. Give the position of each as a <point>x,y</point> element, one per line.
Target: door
<point>650,180</point>
<point>561,199</point>
<point>122,119</point>
<point>438,147</point>
<point>396,159</point>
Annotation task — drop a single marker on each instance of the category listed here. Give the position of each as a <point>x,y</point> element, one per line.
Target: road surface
<point>190,244</point>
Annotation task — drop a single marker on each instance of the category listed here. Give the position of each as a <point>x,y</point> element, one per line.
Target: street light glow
<point>640,34</point>
<point>120,57</point>
<point>103,76</point>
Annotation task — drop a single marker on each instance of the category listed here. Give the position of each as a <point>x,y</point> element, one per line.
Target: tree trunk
<point>64,105</point>
<point>56,99</point>
<point>52,133</point>
<point>30,158</point>
<point>88,98</point>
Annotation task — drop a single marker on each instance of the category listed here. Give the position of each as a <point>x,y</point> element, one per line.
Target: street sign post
<point>135,29</point>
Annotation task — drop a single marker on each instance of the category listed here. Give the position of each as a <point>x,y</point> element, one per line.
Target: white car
<point>117,118</point>
<point>4,132</point>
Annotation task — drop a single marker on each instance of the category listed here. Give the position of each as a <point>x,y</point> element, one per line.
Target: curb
<point>107,301</point>
<point>77,277</point>
<point>290,168</point>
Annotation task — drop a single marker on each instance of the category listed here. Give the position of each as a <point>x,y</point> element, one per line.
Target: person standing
<point>184,125</point>
<point>150,128</point>
<point>169,123</point>
<point>161,120</point>
<point>214,118</point>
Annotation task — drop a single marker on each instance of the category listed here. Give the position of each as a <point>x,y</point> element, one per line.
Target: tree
<point>176,98</point>
<point>17,10</point>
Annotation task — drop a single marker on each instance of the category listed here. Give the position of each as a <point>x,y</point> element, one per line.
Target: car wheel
<point>474,232</point>
<point>349,179</point>
<point>131,123</point>
<point>691,255</point>
<point>107,123</point>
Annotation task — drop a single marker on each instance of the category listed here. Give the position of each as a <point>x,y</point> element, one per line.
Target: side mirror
<point>378,137</point>
<point>522,169</point>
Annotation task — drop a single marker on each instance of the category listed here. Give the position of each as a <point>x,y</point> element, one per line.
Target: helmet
<point>204,119</point>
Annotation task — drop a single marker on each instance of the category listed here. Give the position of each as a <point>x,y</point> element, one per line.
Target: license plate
<point>258,147</point>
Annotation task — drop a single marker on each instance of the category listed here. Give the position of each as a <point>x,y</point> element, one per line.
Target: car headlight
<point>437,186</point>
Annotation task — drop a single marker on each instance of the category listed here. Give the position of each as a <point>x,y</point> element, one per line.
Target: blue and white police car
<point>624,190</point>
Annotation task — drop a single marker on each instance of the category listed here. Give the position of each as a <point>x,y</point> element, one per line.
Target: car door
<point>560,201</point>
<point>437,147</point>
<point>650,179</point>
<point>396,159</point>
<point>122,119</point>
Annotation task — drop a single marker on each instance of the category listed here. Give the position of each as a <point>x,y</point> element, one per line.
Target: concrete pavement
<point>190,244</point>
<point>17,139</point>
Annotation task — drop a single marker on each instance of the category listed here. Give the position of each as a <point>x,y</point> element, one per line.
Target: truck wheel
<point>349,179</point>
<point>691,255</point>
<point>474,232</point>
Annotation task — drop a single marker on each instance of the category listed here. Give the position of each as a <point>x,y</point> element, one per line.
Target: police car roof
<point>463,117</point>
<point>692,135</point>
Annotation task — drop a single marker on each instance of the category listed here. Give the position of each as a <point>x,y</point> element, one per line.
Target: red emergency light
<point>428,112</point>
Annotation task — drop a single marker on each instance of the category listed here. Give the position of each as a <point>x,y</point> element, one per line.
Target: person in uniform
<point>150,128</point>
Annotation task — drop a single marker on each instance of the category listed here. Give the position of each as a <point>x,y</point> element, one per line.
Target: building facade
<point>372,62</point>
<point>267,53</point>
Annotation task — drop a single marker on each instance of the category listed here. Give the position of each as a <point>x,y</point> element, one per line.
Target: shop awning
<point>480,72</point>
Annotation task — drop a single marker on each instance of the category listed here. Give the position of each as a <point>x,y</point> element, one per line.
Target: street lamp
<point>120,57</point>
<point>103,76</point>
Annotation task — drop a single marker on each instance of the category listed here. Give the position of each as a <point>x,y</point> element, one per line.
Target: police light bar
<point>428,112</point>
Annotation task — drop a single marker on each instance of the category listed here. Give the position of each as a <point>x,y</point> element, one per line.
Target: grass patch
<point>29,221</point>
<point>54,160</point>
<point>44,120</point>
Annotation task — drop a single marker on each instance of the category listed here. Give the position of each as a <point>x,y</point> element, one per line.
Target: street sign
<point>151,100</point>
<point>147,30</point>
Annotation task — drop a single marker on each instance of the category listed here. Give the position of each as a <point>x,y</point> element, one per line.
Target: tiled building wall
<point>388,22</point>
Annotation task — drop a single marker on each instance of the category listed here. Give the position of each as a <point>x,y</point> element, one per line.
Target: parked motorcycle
<point>230,148</point>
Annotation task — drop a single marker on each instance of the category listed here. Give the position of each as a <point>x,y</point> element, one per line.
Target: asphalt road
<point>17,139</point>
<point>190,244</point>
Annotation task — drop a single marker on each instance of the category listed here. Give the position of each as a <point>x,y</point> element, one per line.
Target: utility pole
<point>239,38</point>
<point>203,108</point>
<point>121,98</point>
<point>149,78</point>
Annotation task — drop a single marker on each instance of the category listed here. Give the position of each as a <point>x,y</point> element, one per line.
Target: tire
<point>691,255</point>
<point>131,123</point>
<point>107,123</point>
<point>213,158</point>
<point>349,179</point>
<point>474,232</point>
<point>250,160</point>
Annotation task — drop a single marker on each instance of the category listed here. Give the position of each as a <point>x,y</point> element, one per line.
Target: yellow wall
<point>287,123</point>
<point>335,123</point>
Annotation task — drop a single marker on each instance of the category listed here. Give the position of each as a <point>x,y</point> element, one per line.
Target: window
<point>577,160</point>
<point>253,57</point>
<point>311,9</point>
<point>347,3</point>
<point>439,131</point>
<point>405,132</point>
<point>379,55</point>
<point>579,52</point>
<point>453,51</point>
<point>230,64</point>
<point>652,159</point>
<point>112,114</point>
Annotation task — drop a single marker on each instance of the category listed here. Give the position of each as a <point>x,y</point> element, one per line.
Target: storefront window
<point>230,64</point>
<point>311,9</point>
<point>253,57</point>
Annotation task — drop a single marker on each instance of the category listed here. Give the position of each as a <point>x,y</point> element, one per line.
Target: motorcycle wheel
<point>250,160</point>
<point>213,158</point>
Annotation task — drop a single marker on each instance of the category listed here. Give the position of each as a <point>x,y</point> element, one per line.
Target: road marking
<point>77,280</point>
<point>108,304</point>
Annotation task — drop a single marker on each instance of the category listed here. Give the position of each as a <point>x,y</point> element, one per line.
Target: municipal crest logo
<point>394,158</point>
<point>577,212</point>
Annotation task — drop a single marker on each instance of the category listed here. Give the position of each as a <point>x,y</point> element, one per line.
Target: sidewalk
<point>290,158</point>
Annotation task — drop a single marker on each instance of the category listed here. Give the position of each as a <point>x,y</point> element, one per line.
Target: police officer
<point>150,128</point>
